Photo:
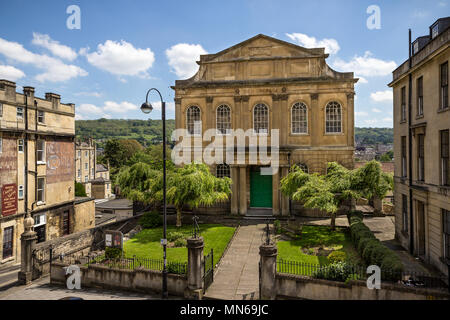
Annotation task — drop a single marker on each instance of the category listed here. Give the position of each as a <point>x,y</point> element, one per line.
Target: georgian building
<point>37,169</point>
<point>262,84</point>
<point>421,152</point>
<point>94,176</point>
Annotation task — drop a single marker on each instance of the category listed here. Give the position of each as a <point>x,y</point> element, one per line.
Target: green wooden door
<point>260,190</point>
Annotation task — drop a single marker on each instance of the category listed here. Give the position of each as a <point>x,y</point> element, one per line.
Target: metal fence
<point>124,263</point>
<point>344,272</point>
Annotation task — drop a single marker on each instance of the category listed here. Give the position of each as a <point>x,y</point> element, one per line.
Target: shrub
<point>80,191</point>
<point>150,220</point>
<point>173,236</point>
<point>339,271</point>
<point>277,226</point>
<point>355,214</point>
<point>180,242</point>
<point>113,253</point>
<point>337,256</point>
<point>176,268</point>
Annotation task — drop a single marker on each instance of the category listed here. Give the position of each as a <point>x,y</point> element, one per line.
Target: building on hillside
<point>89,172</point>
<point>37,169</point>
<point>261,84</point>
<point>421,153</point>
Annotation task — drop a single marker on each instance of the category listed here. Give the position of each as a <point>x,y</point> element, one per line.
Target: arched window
<point>303,166</point>
<point>299,118</point>
<point>333,120</point>
<point>194,123</point>
<point>222,170</point>
<point>223,119</point>
<point>261,118</point>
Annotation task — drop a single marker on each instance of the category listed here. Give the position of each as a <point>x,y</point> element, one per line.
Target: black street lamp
<point>146,107</point>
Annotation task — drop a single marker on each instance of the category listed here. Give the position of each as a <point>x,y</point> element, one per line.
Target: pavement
<point>237,277</point>
<point>8,276</point>
<point>42,290</point>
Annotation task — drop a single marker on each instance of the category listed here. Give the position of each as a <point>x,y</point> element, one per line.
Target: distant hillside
<point>145,131</point>
<point>150,131</point>
<point>372,136</point>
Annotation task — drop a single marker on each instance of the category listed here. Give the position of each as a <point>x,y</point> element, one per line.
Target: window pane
<point>223,119</point>
<point>193,120</point>
<point>333,117</point>
<point>299,118</point>
<point>261,118</point>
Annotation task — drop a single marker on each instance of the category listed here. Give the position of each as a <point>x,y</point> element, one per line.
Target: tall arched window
<point>261,118</point>
<point>223,119</point>
<point>303,166</point>
<point>299,118</point>
<point>193,120</point>
<point>333,117</point>
<point>222,170</point>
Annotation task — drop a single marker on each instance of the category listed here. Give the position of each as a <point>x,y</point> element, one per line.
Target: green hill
<point>150,131</point>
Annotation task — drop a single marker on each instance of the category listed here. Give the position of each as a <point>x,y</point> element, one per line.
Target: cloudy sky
<point>125,47</point>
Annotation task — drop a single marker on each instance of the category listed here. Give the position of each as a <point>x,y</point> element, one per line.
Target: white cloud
<point>380,96</point>
<point>361,114</point>
<point>89,94</point>
<point>79,117</point>
<point>371,121</point>
<point>121,58</point>
<point>182,58</point>
<point>53,46</point>
<point>331,45</point>
<point>10,73</point>
<point>170,106</point>
<point>122,107</point>
<point>387,119</point>
<point>376,110</point>
<point>366,65</point>
<point>87,108</point>
<point>54,69</point>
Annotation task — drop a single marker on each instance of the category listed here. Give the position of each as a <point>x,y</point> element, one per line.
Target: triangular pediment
<point>262,46</point>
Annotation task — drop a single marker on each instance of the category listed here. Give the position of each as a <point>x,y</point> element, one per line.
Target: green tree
<point>193,185</point>
<point>80,191</point>
<point>327,192</point>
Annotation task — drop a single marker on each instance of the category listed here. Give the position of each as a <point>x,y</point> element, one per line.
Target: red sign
<point>9,199</point>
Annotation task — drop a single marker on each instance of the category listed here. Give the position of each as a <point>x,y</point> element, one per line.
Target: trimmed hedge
<point>372,250</point>
<point>151,220</point>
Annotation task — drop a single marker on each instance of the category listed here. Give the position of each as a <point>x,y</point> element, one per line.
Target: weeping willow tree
<point>193,185</point>
<point>328,192</point>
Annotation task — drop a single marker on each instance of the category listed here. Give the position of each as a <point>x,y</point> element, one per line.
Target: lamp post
<point>146,108</point>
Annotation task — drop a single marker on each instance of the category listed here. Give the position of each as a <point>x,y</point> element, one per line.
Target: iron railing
<point>133,263</point>
<point>346,272</point>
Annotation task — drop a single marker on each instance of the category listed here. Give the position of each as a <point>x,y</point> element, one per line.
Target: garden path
<point>237,277</point>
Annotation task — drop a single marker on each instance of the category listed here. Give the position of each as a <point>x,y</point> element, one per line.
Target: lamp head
<point>146,107</point>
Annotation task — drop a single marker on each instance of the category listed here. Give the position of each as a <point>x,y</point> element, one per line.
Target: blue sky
<point>125,47</point>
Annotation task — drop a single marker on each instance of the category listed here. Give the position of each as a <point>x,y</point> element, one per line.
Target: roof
<point>100,167</point>
<point>99,180</point>
<point>115,204</point>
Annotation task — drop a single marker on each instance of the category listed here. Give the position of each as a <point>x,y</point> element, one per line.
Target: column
<point>243,190</point>
<point>210,113</point>
<point>315,126</point>
<point>234,190</point>
<point>178,113</point>
<point>28,241</point>
<point>194,289</point>
<point>284,199</point>
<point>275,193</point>
<point>350,120</point>
<point>268,270</point>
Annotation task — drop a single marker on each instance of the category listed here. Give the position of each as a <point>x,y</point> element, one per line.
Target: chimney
<point>54,98</point>
<point>29,92</point>
<point>10,89</point>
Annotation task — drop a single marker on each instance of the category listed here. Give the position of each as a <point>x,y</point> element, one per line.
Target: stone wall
<point>290,286</point>
<point>139,280</point>
<point>81,242</point>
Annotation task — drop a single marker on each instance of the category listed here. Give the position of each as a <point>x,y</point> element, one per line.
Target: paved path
<point>237,277</point>
<point>42,290</point>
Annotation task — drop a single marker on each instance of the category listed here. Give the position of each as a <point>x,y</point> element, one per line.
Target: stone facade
<point>421,126</point>
<point>37,167</point>
<point>296,91</point>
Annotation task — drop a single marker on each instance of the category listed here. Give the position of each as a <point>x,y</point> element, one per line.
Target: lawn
<point>313,238</point>
<point>146,244</point>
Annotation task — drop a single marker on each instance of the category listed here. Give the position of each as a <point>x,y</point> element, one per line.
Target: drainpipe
<point>26,155</point>
<point>411,218</point>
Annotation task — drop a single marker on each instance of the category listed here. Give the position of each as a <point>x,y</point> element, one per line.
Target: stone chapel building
<point>261,84</point>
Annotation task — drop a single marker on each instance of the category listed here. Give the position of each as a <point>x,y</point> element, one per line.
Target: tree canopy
<point>327,192</point>
<point>193,185</point>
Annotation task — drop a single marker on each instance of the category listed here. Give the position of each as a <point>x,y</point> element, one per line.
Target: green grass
<point>313,236</point>
<point>146,244</point>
